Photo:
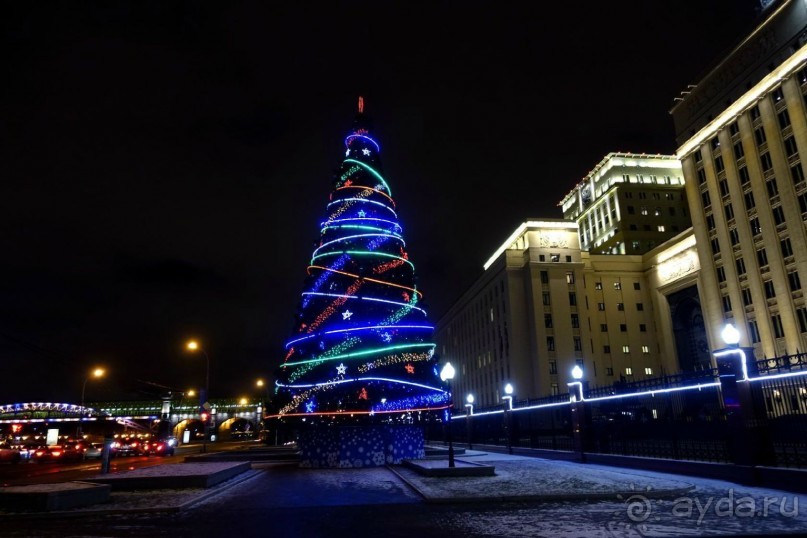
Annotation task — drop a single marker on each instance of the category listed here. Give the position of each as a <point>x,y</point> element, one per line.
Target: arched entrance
<point>691,343</point>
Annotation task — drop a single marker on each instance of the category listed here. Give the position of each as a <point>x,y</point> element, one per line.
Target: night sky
<point>165,165</point>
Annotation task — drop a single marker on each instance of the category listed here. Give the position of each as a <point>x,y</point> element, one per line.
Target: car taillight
<point>159,447</point>
<point>40,453</point>
<point>56,453</point>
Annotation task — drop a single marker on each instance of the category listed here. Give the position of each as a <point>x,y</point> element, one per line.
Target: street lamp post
<point>447,374</point>
<point>260,425</point>
<point>98,372</point>
<point>578,409</point>
<point>508,416</point>
<point>193,345</point>
<point>470,407</point>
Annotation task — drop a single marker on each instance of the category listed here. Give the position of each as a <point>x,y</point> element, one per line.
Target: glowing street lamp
<point>97,373</point>
<point>470,407</point>
<point>447,374</point>
<point>508,395</point>
<point>193,345</point>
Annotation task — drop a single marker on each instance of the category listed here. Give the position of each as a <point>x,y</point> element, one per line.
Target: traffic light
<point>205,416</point>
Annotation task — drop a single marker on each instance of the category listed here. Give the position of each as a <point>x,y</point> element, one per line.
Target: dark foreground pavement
<point>285,501</point>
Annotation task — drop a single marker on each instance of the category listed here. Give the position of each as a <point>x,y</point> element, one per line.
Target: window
<point>639,307</point>
<point>548,321</point>
<point>776,322</point>
<point>755,113</point>
<point>784,119</point>
<point>778,95</point>
<point>578,344</point>
<point>803,202</point>
<point>541,258</point>
<point>570,278</point>
<point>626,349</point>
<point>790,147</point>
<point>740,263</point>
<point>765,161</point>
<point>550,346</point>
<point>555,389</point>
<point>710,221</point>
<point>749,201</point>
<point>770,292</point>
<point>719,166</point>
<point>572,298</point>
<point>642,328</point>
<point>623,327</point>
<point>575,321</point>
<point>729,210</point>
<point>794,280</point>
<point>637,286</point>
<point>569,258</point>
<point>787,248</point>
<point>671,210</point>
<point>661,228</point>
<point>606,349</point>
<point>598,285</point>
<point>698,156</point>
<point>604,327</point>
<point>701,176</point>
<point>747,297</point>
<point>721,274</point>
<point>546,298</point>
<point>726,303</point>
<point>715,143</point>
<point>734,235</point>
<point>802,315</point>
<point>762,257</point>
<point>759,136</point>
<point>756,229</point>
<point>601,306</point>
<point>544,277</point>
<point>617,285</point>
<point>797,173</point>
<point>620,306</point>
<point>778,215</point>
<point>554,257</point>
<point>773,188</point>
<point>645,350</point>
<point>738,151</point>
<point>648,371</point>
<point>734,129</point>
<point>745,177</point>
<point>644,210</point>
<point>631,210</point>
<point>753,332</point>
<point>706,199</point>
<point>724,187</point>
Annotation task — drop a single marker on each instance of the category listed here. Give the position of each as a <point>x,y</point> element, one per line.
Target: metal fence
<point>681,417</point>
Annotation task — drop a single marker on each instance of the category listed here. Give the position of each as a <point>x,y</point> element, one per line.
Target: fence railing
<point>682,417</point>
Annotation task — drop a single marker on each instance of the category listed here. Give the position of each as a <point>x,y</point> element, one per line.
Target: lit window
<point>625,349</point>
<point>646,350</point>
<point>570,278</point>
<point>617,285</point>
<point>628,371</point>
<point>648,371</point>
<point>661,228</point>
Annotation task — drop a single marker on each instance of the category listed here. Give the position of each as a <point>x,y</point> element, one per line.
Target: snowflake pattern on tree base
<point>359,446</point>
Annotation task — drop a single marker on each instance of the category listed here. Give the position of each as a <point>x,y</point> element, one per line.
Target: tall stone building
<point>742,132</point>
<point>589,289</point>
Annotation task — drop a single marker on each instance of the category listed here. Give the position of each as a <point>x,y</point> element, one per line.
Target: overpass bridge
<point>229,417</point>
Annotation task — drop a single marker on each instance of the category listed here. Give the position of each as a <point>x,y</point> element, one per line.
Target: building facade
<point>742,132</point>
<point>629,203</point>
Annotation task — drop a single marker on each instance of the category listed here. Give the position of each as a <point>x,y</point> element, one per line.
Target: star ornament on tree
<point>347,152</point>
<point>346,314</point>
<point>362,214</point>
<point>365,151</point>
<point>341,369</point>
<point>410,368</point>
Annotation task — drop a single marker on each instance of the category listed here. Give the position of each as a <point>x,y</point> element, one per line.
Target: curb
<point>549,497</point>
<point>64,514</point>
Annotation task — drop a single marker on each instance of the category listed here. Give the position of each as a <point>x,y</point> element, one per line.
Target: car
<point>91,451</point>
<point>160,447</point>
<point>48,453</point>
<point>128,446</point>
<point>9,454</point>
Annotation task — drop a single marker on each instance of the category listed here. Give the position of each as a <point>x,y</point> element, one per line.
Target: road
<point>50,472</point>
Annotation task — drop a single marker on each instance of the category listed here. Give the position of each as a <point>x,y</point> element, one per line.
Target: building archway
<point>689,328</point>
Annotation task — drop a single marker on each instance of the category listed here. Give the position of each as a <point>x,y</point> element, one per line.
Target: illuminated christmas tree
<point>361,352</point>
